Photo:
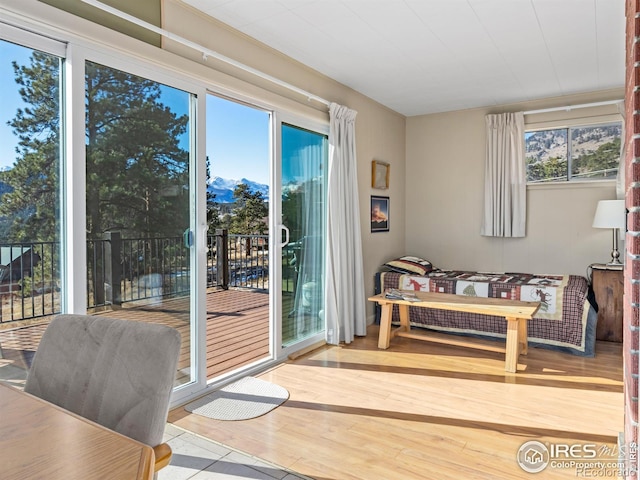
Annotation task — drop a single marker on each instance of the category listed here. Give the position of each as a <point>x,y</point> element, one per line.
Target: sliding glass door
<point>130,229</point>
<point>303,203</point>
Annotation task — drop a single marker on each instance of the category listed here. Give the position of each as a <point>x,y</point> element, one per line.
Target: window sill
<point>573,184</point>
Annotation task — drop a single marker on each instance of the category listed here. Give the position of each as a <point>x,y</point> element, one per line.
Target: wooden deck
<point>237,332</point>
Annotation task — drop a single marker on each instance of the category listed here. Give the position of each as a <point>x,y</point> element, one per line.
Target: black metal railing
<point>123,270</point>
<point>129,269</point>
<point>29,280</point>
<point>248,260</point>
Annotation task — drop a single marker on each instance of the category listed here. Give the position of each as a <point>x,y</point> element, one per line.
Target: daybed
<point>566,320</point>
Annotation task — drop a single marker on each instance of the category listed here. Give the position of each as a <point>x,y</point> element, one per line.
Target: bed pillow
<point>411,265</point>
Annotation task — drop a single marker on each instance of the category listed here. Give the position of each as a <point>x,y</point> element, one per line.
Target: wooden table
<point>515,312</point>
<point>39,440</point>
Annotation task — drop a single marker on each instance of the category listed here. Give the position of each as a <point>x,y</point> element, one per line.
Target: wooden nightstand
<point>608,285</point>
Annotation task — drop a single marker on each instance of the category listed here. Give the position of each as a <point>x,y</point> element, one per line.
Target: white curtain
<point>344,284</point>
<point>309,298</point>
<point>505,182</point>
<point>620,179</point>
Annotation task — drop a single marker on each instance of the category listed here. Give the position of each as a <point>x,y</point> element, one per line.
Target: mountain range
<point>223,188</point>
<point>545,144</point>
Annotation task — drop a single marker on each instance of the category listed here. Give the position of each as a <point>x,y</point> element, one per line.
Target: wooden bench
<point>515,312</point>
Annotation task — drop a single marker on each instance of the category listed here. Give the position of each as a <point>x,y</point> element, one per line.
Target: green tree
<point>249,213</point>
<point>214,215</point>
<point>552,169</point>
<point>30,206</point>
<point>292,201</point>
<point>603,162</point>
<point>137,172</point>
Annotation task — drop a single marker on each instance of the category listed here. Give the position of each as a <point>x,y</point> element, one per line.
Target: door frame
<point>76,207</point>
<point>275,225</point>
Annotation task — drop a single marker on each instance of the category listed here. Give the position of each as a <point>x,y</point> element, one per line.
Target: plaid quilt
<point>561,320</point>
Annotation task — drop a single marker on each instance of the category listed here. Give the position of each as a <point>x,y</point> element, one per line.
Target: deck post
<point>113,268</point>
<point>222,257</point>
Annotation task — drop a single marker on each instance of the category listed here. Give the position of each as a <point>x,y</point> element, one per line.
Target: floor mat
<point>246,398</point>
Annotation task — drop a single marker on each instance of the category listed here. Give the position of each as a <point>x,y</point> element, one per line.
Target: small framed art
<point>379,214</point>
<point>380,174</point>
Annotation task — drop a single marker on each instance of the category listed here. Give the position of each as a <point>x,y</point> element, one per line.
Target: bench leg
<point>404,318</point>
<point>385,325</point>
<point>523,342</point>
<point>512,351</point>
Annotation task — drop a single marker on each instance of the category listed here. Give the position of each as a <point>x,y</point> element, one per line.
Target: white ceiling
<point>426,56</point>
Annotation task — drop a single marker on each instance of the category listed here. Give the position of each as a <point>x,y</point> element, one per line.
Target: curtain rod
<point>206,52</point>
<point>572,107</point>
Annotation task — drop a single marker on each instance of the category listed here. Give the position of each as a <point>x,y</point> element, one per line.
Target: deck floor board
<point>237,331</point>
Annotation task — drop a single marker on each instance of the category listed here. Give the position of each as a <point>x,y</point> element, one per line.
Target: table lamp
<point>611,214</point>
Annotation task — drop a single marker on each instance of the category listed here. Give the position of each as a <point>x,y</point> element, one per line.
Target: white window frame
<point>569,128</point>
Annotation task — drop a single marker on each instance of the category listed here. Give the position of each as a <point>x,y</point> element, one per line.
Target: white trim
<point>599,119</point>
<point>32,40</point>
<point>74,206</point>
<point>206,52</point>
<point>601,183</point>
<point>568,108</point>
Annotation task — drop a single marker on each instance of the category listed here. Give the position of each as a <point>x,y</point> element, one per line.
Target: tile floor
<point>197,458</point>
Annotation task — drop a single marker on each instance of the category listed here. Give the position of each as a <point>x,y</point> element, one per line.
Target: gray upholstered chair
<point>117,373</point>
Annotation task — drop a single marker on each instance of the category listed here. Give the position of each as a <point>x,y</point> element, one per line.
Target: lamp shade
<point>610,214</point>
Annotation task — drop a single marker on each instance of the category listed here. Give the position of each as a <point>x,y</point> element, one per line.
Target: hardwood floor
<point>422,410</point>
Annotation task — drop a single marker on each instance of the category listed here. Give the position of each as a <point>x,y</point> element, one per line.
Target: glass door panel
<point>304,163</point>
<point>138,202</point>
<point>30,199</point>
<point>238,296</point>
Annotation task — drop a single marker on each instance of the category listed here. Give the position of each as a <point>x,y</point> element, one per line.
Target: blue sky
<point>237,140</point>
<point>237,135</point>
<point>10,99</point>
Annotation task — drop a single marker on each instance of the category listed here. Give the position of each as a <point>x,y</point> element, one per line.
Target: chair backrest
<point>117,373</point>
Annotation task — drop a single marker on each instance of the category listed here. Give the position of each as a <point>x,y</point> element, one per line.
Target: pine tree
<point>137,172</point>
<point>249,213</point>
<point>213,208</point>
<point>30,206</point>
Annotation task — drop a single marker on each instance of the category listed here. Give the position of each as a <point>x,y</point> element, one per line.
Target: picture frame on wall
<point>379,214</point>
<point>380,172</point>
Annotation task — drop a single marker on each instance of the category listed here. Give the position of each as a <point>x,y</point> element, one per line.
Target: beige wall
<point>147,10</point>
<point>444,197</point>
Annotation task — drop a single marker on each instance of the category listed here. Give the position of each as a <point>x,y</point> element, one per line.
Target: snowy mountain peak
<point>223,188</point>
